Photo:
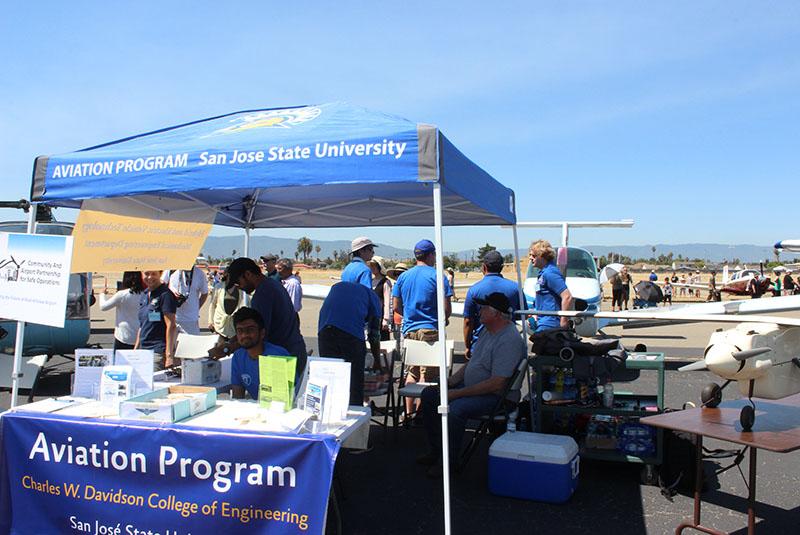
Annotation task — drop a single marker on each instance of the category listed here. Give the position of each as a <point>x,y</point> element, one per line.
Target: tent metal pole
<point>525,332</point>
<point>247,242</point>
<point>19,343</point>
<point>443,406</point>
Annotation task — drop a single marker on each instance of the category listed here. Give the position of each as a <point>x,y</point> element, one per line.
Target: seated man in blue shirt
<point>551,288</point>
<point>252,337</point>
<point>492,281</point>
<point>362,249</point>
<point>348,308</point>
<point>272,301</point>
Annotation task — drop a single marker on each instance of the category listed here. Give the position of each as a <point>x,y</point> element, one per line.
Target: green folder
<point>276,380</point>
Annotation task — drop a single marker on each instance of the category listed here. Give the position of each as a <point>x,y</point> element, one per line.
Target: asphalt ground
<point>383,490</point>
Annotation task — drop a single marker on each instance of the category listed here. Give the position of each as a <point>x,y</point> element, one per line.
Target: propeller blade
<point>750,353</point>
<point>694,366</point>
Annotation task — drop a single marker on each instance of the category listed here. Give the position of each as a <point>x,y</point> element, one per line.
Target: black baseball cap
<point>237,269</point>
<point>493,258</point>
<point>497,301</point>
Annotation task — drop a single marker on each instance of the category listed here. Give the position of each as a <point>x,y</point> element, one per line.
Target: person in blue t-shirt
<point>272,301</point>
<point>347,309</point>
<point>414,297</point>
<point>492,281</point>
<point>252,338</point>
<point>362,249</point>
<point>551,288</point>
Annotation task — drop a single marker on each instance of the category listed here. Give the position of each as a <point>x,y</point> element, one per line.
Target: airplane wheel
<point>711,396</point>
<point>747,418</point>
<point>566,354</point>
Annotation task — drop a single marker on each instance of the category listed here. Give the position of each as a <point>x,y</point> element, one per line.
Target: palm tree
<point>304,247</point>
<point>317,249</point>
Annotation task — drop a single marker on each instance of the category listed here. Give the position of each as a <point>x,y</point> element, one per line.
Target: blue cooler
<point>534,466</point>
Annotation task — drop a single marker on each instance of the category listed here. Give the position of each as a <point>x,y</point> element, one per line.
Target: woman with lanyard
<point>126,302</point>
<point>158,329</point>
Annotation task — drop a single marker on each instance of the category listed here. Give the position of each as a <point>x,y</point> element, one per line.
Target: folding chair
<point>393,355</point>
<point>418,353</point>
<point>499,415</point>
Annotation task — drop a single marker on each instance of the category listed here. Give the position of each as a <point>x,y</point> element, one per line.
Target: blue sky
<point>684,116</point>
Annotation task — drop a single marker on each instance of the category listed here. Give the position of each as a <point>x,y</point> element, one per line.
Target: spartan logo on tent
<point>270,119</point>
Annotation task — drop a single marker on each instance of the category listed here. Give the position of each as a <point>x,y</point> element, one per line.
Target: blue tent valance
<point>330,165</point>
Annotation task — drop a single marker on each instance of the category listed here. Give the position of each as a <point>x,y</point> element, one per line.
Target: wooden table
<point>776,429</point>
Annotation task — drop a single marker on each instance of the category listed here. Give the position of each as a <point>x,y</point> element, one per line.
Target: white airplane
<point>792,246</point>
<point>762,353</point>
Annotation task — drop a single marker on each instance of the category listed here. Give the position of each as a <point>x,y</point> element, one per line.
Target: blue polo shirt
<point>152,328</point>
<point>489,284</point>
<point>549,287</point>
<point>357,271</point>
<point>416,288</point>
<point>281,321</point>
<point>349,307</point>
<point>244,370</point>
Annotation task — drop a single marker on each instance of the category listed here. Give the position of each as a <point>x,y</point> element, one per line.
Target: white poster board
<point>34,277</point>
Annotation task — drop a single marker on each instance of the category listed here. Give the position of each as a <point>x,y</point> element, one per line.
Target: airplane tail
<point>725,274</point>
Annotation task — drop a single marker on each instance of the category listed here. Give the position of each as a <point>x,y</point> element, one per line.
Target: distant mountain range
<point>223,246</point>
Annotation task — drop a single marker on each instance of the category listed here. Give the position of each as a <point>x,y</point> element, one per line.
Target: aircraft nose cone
<point>719,359</point>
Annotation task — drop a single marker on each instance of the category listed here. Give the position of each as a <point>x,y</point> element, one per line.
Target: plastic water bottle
<point>608,396</point>
<point>511,425</point>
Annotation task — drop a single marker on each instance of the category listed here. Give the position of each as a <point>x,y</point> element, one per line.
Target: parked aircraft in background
<point>760,353</point>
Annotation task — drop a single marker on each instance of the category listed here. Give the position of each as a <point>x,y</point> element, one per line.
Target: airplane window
<point>579,264</point>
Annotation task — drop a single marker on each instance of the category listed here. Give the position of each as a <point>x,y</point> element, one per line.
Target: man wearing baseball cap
<point>272,301</point>
<point>476,388</point>
<point>270,269</point>
<point>492,281</point>
<point>362,250</point>
<point>414,296</point>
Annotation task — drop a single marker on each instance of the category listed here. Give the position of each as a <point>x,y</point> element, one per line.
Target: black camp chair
<point>498,418</point>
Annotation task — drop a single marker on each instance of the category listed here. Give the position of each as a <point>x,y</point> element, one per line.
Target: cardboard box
<point>156,406</point>
<point>201,371</point>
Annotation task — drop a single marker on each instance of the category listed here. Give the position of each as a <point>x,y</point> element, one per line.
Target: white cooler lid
<point>538,447</point>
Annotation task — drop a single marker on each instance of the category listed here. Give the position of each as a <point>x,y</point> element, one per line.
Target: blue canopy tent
<point>331,165</point>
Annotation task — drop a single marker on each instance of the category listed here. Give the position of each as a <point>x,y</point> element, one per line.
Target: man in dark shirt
<point>273,303</point>
<point>349,307</point>
<point>270,262</point>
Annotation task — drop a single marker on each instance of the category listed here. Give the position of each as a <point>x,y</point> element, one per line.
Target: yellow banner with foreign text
<point>108,241</point>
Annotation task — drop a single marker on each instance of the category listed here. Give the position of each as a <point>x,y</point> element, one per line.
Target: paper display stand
<point>141,361</point>
<point>89,364</point>
<point>276,382</point>
<point>300,401</point>
<point>335,374</point>
<point>115,385</point>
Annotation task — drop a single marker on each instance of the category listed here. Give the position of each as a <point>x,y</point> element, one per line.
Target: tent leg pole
<point>19,342</point>
<point>247,243</point>
<point>525,332</point>
<point>443,407</point>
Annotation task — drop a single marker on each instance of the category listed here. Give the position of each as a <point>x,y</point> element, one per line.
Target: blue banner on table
<point>62,474</point>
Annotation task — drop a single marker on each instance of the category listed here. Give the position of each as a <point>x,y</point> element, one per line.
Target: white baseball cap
<point>359,243</point>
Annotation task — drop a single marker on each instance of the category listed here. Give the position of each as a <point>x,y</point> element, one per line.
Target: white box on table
<point>145,407</point>
<point>201,371</point>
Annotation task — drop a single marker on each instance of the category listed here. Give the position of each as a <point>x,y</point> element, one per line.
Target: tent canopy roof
<point>330,165</point>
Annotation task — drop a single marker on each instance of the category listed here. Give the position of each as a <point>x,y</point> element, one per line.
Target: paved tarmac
<point>384,491</point>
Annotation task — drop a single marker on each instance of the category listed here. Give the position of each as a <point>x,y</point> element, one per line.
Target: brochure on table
<point>91,363</point>
<point>276,382</point>
<point>334,374</point>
